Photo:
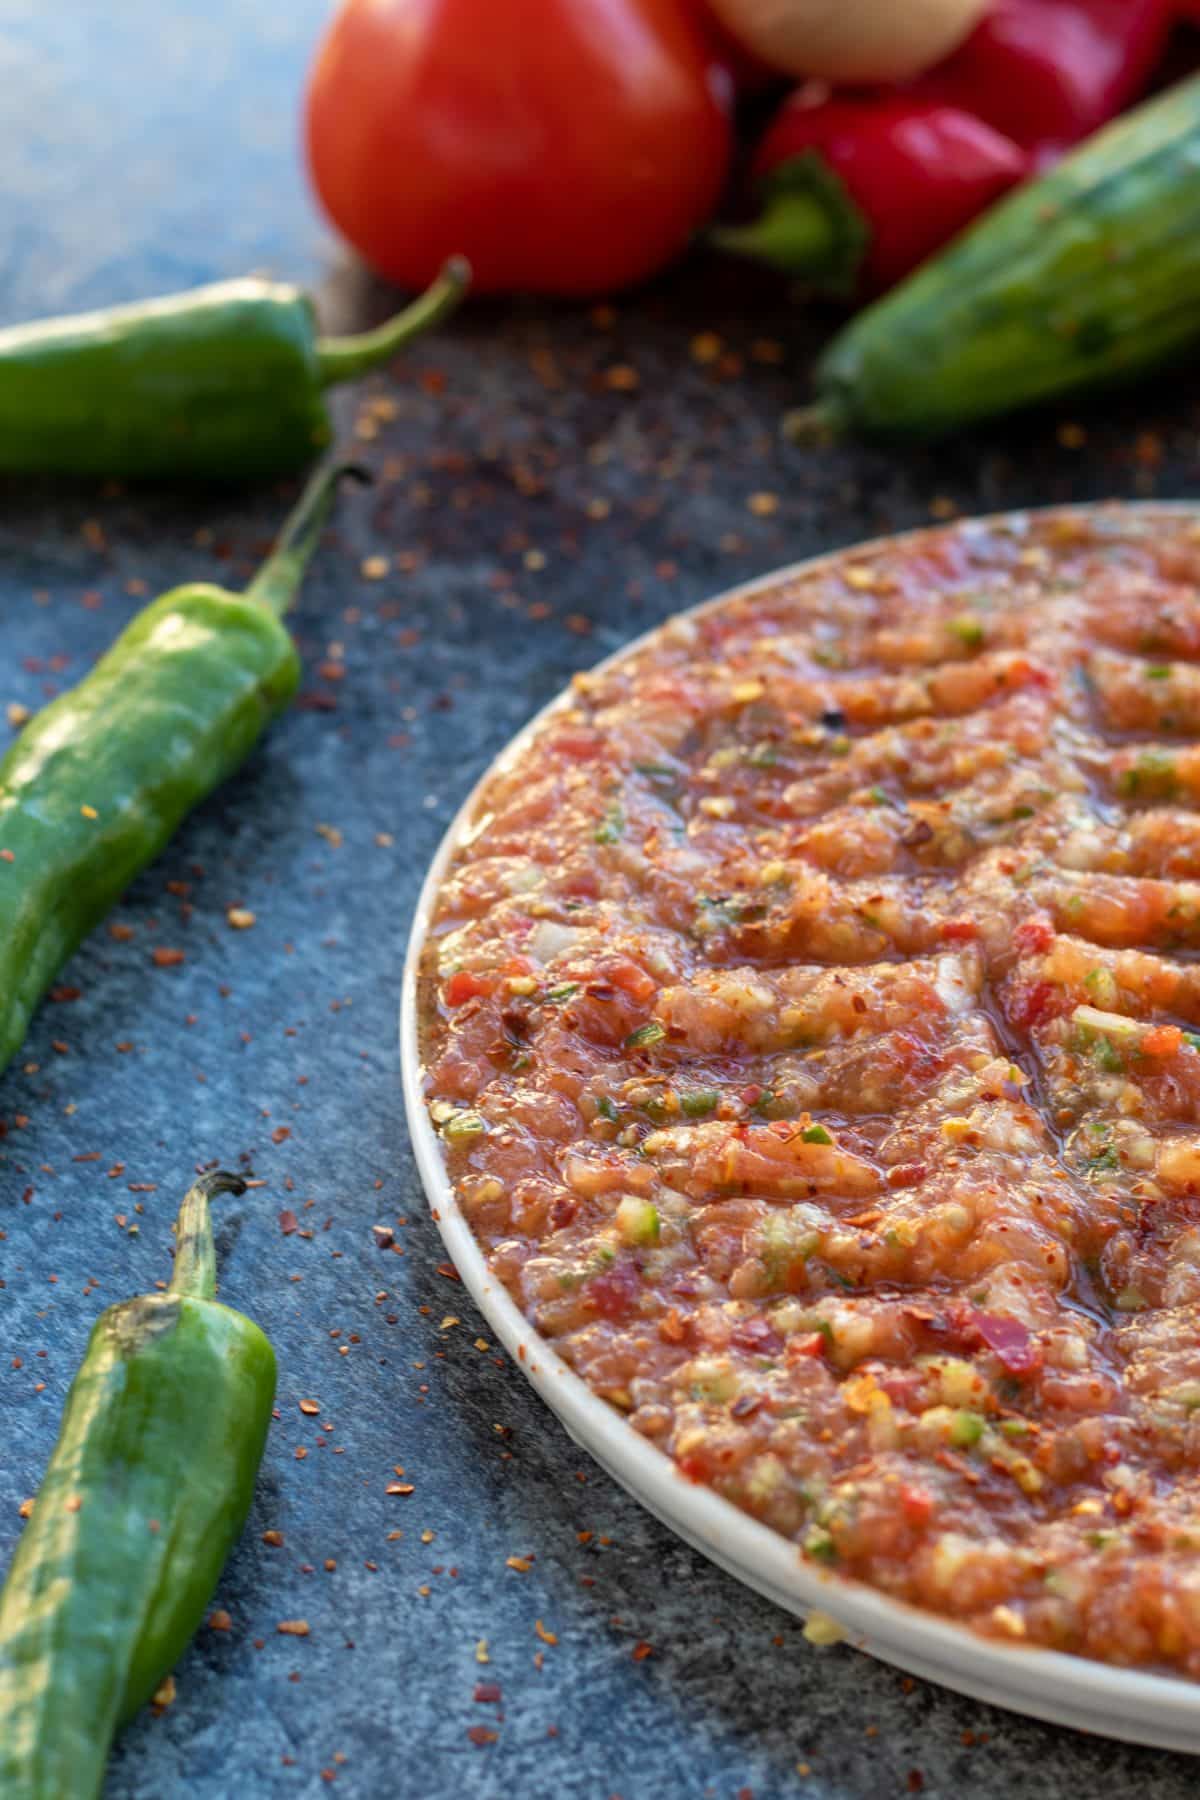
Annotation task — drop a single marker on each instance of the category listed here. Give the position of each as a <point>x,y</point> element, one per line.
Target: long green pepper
<point>96,784</point>
<point>146,1492</point>
<point>224,382</point>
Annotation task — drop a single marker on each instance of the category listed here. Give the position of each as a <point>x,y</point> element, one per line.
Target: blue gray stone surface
<point>534,511</point>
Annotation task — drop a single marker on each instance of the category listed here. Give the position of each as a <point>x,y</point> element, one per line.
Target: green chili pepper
<point>222,382</point>
<point>147,1489</point>
<point>97,783</point>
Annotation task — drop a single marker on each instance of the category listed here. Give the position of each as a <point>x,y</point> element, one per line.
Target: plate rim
<point>1161,1711</point>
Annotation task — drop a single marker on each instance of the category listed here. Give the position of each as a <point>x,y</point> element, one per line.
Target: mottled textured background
<point>535,511</point>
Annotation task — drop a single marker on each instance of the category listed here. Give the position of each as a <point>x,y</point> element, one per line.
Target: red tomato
<point>563,146</point>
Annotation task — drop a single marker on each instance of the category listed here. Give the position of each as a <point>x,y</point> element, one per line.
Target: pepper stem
<point>808,226</point>
<point>342,358</point>
<point>278,581</point>
<point>793,232</point>
<point>195,1273</point>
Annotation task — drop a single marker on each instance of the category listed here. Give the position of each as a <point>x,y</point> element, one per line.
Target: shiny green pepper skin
<point>146,1492</point>
<point>223,383</point>
<point>96,785</point>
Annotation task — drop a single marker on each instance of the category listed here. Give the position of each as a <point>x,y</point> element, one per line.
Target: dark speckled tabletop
<point>533,513</point>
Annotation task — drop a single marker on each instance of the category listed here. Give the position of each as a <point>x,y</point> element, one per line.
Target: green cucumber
<point>1083,278</point>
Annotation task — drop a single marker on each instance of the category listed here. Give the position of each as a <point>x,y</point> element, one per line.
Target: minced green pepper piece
<point>1101,984</point>
<point>815,1134</point>
<point>463,1126</point>
<point>700,1102</point>
<point>638,1221</point>
<point>820,1545</point>
<point>566,990</point>
<point>969,632</point>
<point>612,827</point>
<point>645,1035</point>
<point>966,1430</point>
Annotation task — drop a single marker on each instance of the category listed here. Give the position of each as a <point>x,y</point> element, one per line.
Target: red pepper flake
<point>479,1734</point>
<point>449,1271</point>
<point>487,1693</point>
<point>87,1156</point>
<point>1035,935</point>
<point>547,1637</point>
<point>916,1503</point>
<point>280,1133</point>
<point>164,958</point>
<point>274,1538</point>
<point>288,1222</point>
<point>522,1564</point>
<point>61,995</point>
<point>219,1620</point>
<point>915,1782</point>
<point>164,1694</point>
<point>25,1510</point>
<point>241,918</point>
<point>463,986</point>
<point>311,1407</point>
<point>292,1627</point>
<point>400,1487</point>
<point>642,1651</point>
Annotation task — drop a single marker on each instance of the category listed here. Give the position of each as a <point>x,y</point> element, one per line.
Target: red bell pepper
<point>857,190</point>
<point>1048,73</point>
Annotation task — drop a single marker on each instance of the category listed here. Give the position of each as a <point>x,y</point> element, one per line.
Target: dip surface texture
<point>812,1022</point>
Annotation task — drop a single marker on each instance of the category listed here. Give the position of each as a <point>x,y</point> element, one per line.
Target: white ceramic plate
<point>1066,1690</point>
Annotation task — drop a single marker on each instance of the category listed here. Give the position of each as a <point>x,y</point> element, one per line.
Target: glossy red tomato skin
<point>564,146</point>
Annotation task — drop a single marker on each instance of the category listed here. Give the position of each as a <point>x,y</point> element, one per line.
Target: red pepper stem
<point>793,232</point>
<point>342,358</point>
<point>195,1274</point>
<point>278,581</point>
